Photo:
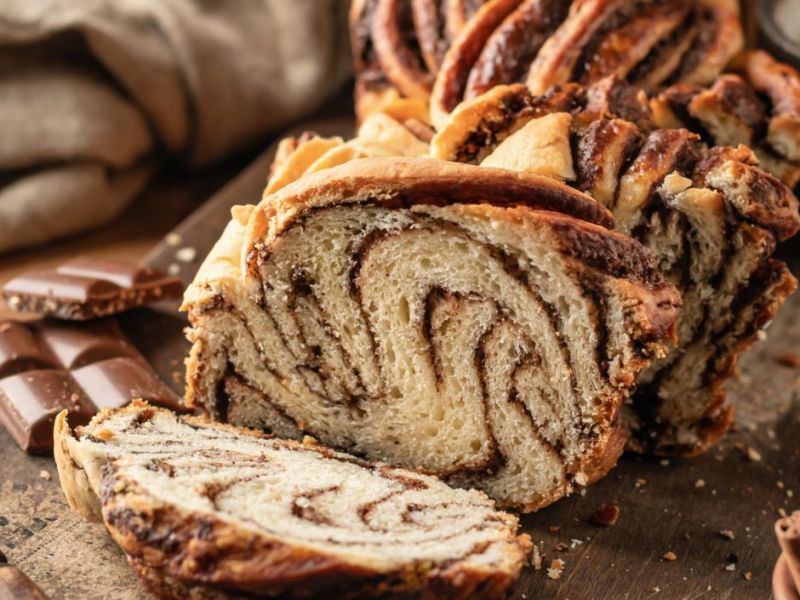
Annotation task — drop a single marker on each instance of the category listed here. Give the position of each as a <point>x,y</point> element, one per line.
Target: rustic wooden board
<point>662,509</point>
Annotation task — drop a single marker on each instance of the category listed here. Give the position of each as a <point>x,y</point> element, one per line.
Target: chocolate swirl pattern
<point>433,315</point>
<point>710,215</point>
<point>411,47</point>
<point>215,509</point>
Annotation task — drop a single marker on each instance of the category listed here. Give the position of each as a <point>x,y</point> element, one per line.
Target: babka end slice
<point>230,512</point>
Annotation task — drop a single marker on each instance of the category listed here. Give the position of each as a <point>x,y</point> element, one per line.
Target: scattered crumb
<point>640,482</point>
<point>562,547</point>
<point>177,376</point>
<point>748,576</point>
<point>536,558</point>
<point>780,484</point>
<point>556,568</point>
<point>670,556</point>
<point>730,562</point>
<point>788,359</point>
<point>730,567</point>
<point>606,515</point>
<point>700,483</point>
<point>782,512</point>
<point>186,254</point>
<point>44,475</point>
<point>687,536</point>
<point>173,268</point>
<point>656,589</point>
<point>753,454</point>
<point>554,528</point>
<point>727,534</point>
<point>664,462</point>
<point>173,239</point>
<point>573,543</point>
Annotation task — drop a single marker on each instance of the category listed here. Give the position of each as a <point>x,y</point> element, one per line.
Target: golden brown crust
<point>391,26</point>
<point>72,478</point>
<point>509,51</point>
<point>625,47</point>
<point>448,89</point>
<point>555,62</point>
<point>781,84</point>
<point>421,181</point>
<point>719,37</point>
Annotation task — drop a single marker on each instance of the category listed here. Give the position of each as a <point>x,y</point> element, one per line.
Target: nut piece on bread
<point>206,510</point>
<point>479,324</point>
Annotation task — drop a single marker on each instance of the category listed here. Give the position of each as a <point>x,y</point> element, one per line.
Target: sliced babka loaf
<point>431,315</point>
<point>211,511</point>
<point>710,215</point>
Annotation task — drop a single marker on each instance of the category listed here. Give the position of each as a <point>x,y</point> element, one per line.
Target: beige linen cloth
<point>96,94</point>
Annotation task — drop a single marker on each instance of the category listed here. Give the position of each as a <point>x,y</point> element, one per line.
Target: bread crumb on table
<point>45,475</point>
<point>669,556</point>
<point>753,454</point>
<point>556,568</point>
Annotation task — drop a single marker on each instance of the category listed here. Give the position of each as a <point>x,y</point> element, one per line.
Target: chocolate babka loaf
<point>710,215</point>
<point>478,324</point>
<point>206,510</point>
<point>411,53</point>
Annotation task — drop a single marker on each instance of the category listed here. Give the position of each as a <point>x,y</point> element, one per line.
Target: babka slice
<point>710,215</point>
<point>759,108</point>
<point>459,319</point>
<point>212,511</point>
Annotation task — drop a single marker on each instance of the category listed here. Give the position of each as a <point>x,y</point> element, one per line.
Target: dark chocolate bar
<point>46,366</point>
<point>87,288</point>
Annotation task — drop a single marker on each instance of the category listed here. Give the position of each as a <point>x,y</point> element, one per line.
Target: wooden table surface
<point>677,506</point>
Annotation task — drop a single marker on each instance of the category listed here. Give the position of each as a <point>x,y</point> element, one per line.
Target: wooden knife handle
<point>15,585</point>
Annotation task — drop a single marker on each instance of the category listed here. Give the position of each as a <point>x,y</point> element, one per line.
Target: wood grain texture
<point>660,502</point>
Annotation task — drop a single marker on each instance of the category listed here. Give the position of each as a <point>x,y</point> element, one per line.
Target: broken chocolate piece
<point>15,585</point>
<point>47,366</point>
<point>606,515</point>
<point>87,288</point>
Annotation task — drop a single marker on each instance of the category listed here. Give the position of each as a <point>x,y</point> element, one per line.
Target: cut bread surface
<point>201,505</point>
<point>433,315</point>
<point>710,215</point>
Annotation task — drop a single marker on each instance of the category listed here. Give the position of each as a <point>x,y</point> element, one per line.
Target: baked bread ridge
<point>401,46</point>
<point>211,509</point>
<point>395,341</point>
<point>378,135</point>
<point>710,215</point>
<point>757,104</point>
